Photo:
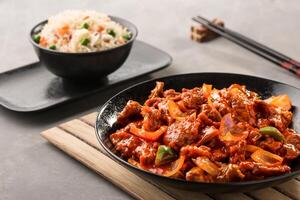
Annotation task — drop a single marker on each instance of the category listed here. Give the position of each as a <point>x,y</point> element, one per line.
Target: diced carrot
<point>100,28</point>
<point>63,30</point>
<point>43,42</point>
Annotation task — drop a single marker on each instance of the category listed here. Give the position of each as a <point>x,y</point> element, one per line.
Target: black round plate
<point>107,116</point>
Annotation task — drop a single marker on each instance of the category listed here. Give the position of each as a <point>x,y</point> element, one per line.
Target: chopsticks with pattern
<point>253,46</point>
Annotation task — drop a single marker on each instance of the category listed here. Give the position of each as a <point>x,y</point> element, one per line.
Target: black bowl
<point>106,122</point>
<point>92,65</point>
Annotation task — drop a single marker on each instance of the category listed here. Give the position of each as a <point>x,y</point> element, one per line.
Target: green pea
<point>85,25</point>
<point>85,41</point>
<point>111,32</point>
<point>37,38</point>
<point>127,36</point>
<point>53,47</point>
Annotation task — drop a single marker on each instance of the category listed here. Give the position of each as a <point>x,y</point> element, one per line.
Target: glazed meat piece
<point>270,144</point>
<point>211,112</point>
<point>181,133</point>
<point>219,155</point>
<point>289,152</point>
<point>131,146</point>
<point>241,102</point>
<point>219,102</point>
<point>230,173</point>
<point>146,152</point>
<point>269,115</point>
<point>208,133</point>
<point>254,136</point>
<point>193,98</point>
<point>152,118</point>
<point>131,109</point>
<point>158,90</point>
<point>191,151</point>
<point>172,95</point>
<point>292,138</point>
<point>259,169</point>
<point>237,152</point>
<point>205,120</point>
<point>197,174</point>
<point>125,143</point>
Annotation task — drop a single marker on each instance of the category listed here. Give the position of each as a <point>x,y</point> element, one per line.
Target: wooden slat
<point>86,133</point>
<point>231,196</point>
<point>89,156</point>
<point>183,194</point>
<point>90,118</point>
<point>268,193</point>
<point>290,188</point>
<point>81,130</point>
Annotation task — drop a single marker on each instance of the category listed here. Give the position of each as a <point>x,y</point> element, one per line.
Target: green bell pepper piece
<point>164,155</point>
<point>273,132</point>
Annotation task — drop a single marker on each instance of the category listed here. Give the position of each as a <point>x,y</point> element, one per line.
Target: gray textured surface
<point>30,168</point>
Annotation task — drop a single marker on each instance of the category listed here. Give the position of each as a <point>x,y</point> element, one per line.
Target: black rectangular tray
<point>33,87</point>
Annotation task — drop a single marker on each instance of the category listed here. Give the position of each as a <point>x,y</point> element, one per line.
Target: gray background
<point>30,168</point>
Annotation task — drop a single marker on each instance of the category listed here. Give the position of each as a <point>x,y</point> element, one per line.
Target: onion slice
<point>175,166</point>
<point>205,164</point>
<point>266,158</point>
<point>229,132</point>
<point>175,111</point>
<point>252,148</point>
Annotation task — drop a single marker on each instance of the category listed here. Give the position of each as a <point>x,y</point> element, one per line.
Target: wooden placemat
<point>77,138</point>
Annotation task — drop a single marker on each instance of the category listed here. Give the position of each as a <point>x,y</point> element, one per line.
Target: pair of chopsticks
<point>253,46</point>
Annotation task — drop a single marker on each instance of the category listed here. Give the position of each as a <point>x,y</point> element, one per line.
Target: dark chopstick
<point>252,42</point>
<point>253,46</point>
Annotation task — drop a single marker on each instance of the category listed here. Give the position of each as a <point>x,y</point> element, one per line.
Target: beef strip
<point>229,173</point>
<point>130,146</point>
<point>181,133</point>
<point>193,98</point>
<point>258,169</point>
<point>151,118</point>
<point>157,91</point>
<point>171,94</point>
<point>191,151</point>
<point>197,174</point>
<point>132,109</point>
<point>270,116</point>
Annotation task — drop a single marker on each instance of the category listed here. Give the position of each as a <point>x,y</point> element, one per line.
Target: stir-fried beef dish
<point>206,134</point>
